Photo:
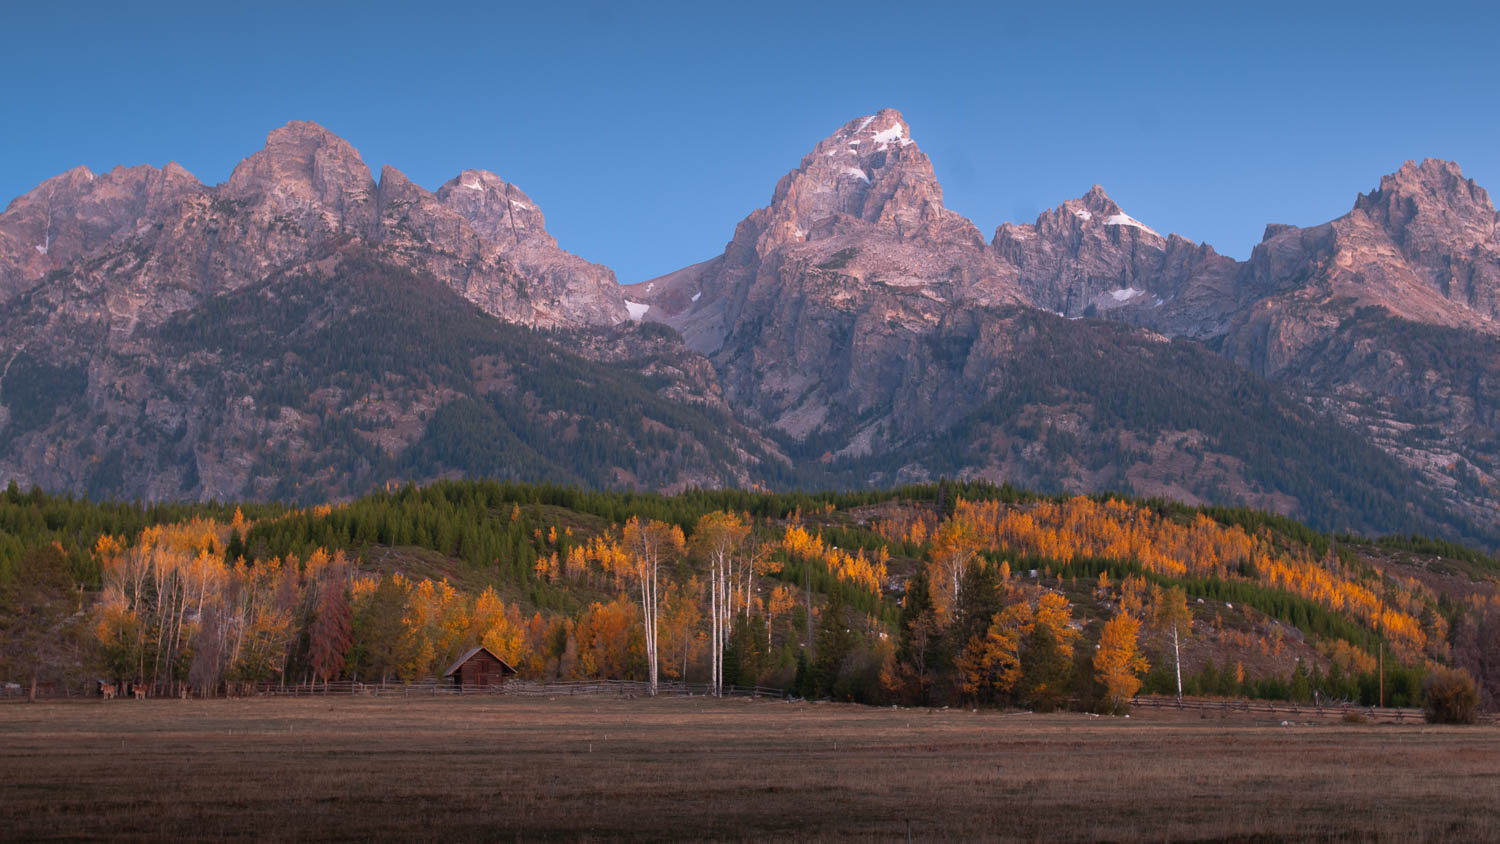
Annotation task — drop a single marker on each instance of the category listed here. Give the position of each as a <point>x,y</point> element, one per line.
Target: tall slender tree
<point>1170,615</point>
<point>331,632</point>
<point>648,547</point>
<point>717,540</point>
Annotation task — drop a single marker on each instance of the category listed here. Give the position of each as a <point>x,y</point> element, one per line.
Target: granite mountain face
<point>155,241</point>
<point>866,325</point>
<point>129,369</point>
<point>305,330</point>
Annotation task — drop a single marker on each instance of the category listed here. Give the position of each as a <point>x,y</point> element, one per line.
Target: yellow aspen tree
<point>1171,616</point>
<point>953,550</point>
<point>1118,661</point>
<point>717,540</point>
<point>649,546</point>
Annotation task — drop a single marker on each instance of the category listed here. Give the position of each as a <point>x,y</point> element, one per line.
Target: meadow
<point>692,768</point>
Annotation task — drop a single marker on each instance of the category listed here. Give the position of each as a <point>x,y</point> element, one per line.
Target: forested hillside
<point>926,594</point>
<point>338,376</point>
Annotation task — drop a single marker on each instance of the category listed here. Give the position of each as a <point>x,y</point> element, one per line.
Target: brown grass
<point>502,768</point>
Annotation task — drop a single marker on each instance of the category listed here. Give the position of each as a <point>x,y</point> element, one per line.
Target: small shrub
<point>1450,697</point>
<point>1355,718</point>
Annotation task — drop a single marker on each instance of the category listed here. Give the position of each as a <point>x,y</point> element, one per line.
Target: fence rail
<point>1225,706</point>
<point>639,688</point>
<point>518,688</point>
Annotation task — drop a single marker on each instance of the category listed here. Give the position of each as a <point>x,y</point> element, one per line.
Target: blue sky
<point>647,130</point>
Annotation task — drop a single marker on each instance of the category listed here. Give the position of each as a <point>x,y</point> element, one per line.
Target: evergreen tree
<point>835,642</point>
<point>1046,670</point>
<point>36,609</point>
<point>802,685</point>
<point>982,596</point>
<point>377,631</point>
<point>924,655</point>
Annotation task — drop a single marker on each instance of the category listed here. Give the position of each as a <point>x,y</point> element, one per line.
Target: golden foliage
<point>1118,661</point>
<point>858,568</point>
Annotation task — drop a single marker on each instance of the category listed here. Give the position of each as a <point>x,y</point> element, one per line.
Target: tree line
<point>923,594</point>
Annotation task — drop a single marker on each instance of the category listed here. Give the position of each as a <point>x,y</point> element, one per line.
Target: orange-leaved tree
<point>993,664</point>
<point>1118,661</point>
<point>498,628</point>
<point>649,546</point>
<point>717,540</point>
<point>332,630</point>
<point>953,549</point>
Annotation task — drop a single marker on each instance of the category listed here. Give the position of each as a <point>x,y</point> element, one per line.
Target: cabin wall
<point>482,670</point>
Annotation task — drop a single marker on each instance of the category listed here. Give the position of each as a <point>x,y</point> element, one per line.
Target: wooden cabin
<point>478,667</point>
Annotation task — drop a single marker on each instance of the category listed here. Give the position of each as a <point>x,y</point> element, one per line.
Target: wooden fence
<point>1290,709</point>
<point>516,688</point>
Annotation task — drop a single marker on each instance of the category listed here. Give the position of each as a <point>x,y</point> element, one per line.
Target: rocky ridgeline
<point>854,318</point>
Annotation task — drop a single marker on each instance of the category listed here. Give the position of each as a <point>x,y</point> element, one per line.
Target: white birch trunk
<point>1177,660</point>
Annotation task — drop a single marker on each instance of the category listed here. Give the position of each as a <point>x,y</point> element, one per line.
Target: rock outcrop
<point>152,241</point>
<point>1088,258</point>
<point>77,213</point>
<point>305,330</point>
<point>816,313</point>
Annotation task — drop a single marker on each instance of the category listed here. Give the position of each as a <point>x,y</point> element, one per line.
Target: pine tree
<point>835,642</point>
<point>1046,670</point>
<point>36,607</point>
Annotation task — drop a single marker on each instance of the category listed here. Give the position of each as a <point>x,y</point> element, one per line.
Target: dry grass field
<point>588,768</point>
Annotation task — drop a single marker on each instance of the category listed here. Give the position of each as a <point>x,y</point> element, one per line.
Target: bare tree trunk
<point>648,617</point>
<point>1177,660</point>
<point>716,666</point>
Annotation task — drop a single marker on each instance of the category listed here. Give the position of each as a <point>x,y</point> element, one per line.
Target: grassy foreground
<point>504,768</point>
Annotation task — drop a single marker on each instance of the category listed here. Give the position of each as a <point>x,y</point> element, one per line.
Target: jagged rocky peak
<point>870,171</point>
<point>500,212</point>
<point>1093,212</point>
<point>1275,230</point>
<point>1087,257</point>
<point>1432,196</point>
<point>304,167</point>
<point>72,181</point>
<point>77,211</point>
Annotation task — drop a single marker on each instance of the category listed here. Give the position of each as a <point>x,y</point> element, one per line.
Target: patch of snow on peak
<point>1126,294</point>
<point>891,135</point>
<point>1123,219</point>
<point>1083,214</point>
<point>697,296</point>
<point>855,172</point>
<point>41,249</point>
<point>465,183</point>
<point>636,309</point>
<point>866,122</point>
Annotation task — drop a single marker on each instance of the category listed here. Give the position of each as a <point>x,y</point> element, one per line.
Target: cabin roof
<point>469,654</point>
